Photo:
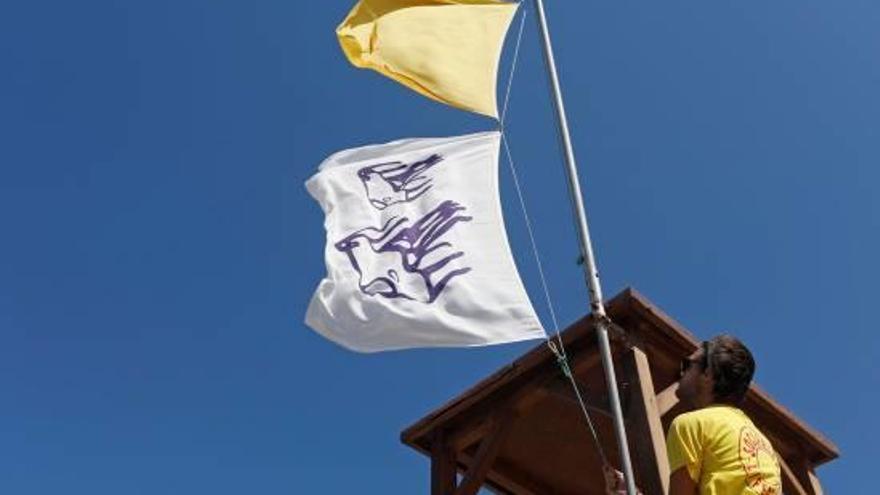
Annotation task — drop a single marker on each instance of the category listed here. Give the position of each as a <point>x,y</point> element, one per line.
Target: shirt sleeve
<point>684,446</point>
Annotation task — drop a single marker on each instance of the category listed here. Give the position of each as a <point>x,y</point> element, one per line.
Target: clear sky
<point>158,247</point>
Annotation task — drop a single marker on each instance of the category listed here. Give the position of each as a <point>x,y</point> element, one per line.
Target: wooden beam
<point>790,483</point>
<point>667,399</point>
<point>486,454</point>
<point>803,471</point>
<point>504,481</point>
<point>443,470</point>
<point>465,437</point>
<point>813,479</point>
<point>643,421</point>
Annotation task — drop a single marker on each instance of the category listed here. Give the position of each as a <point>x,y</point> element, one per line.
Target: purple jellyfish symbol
<point>407,261</point>
<point>396,182</point>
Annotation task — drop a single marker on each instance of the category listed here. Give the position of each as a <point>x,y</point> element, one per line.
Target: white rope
<point>581,402</point>
<point>558,351</point>
<point>534,245</point>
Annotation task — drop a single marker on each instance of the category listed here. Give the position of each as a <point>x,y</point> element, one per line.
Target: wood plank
<point>790,483</point>
<point>813,479</point>
<point>486,454</point>
<point>645,428</point>
<point>793,482</point>
<point>803,470</point>
<point>443,469</point>
<point>506,481</point>
<point>469,434</point>
<point>667,399</point>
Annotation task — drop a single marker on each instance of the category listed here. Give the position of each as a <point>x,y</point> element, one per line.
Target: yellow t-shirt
<point>724,452</point>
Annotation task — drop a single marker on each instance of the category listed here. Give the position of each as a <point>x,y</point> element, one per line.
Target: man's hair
<point>732,366</point>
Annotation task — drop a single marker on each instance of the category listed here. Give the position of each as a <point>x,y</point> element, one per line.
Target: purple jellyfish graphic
<point>409,262</point>
<point>396,182</point>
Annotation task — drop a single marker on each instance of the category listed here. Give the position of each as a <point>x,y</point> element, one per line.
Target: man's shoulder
<point>694,416</point>
<point>705,416</point>
<point>687,424</point>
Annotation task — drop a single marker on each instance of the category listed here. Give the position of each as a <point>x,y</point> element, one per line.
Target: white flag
<point>417,254</point>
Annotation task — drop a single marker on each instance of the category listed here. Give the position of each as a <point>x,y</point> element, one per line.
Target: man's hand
<point>615,484</point>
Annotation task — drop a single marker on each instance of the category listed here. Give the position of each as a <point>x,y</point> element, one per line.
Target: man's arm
<point>680,483</point>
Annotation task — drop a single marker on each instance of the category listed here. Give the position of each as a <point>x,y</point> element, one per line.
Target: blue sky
<point>159,248</point>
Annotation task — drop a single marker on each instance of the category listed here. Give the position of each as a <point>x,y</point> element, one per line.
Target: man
<point>715,449</point>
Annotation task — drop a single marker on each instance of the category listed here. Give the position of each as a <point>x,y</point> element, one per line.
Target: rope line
<point>535,252</point>
<point>582,403</point>
<point>557,350</point>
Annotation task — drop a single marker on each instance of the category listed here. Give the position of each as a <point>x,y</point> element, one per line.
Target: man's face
<point>696,383</point>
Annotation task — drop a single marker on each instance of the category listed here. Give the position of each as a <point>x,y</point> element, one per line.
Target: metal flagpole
<point>590,272</point>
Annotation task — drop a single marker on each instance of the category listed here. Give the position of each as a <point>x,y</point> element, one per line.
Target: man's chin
<point>685,399</point>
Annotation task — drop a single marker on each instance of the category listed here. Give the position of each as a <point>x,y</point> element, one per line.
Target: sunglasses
<point>686,364</point>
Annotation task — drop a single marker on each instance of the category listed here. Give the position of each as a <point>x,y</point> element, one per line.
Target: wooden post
<point>443,470</point>
<point>643,419</point>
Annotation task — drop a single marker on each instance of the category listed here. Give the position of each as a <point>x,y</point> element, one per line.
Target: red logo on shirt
<point>754,453</point>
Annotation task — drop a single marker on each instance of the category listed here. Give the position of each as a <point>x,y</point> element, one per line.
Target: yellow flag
<point>447,50</point>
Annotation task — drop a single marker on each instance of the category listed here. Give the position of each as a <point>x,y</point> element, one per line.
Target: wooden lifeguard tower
<point>521,431</point>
